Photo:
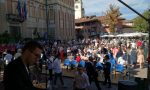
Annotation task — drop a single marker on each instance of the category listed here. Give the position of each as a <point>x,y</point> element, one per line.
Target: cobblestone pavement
<point>136,72</point>
<point>69,85</point>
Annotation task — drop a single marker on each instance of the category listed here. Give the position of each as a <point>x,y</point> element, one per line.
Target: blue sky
<point>98,7</point>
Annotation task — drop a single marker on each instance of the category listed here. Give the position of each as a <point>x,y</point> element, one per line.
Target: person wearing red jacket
<point>78,58</point>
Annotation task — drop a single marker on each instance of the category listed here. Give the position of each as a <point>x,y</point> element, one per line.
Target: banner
<point>22,9</point>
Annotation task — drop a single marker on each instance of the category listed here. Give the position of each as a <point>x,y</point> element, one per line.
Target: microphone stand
<point>46,73</point>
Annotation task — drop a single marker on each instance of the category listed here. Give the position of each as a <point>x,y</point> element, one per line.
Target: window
<point>14,10</point>
<point>51,14</point>
<point>33,11</point>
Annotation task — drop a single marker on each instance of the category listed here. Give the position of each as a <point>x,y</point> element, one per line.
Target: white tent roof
<point>137,34</point>
<point>108,36</point>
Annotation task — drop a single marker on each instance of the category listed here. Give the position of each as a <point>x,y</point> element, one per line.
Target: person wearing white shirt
<point>57,70</point>
<point>121,61</point>
<point>81,80</point>
<point>50,66</point>
<point>18,54</point>
<point>8,57</point>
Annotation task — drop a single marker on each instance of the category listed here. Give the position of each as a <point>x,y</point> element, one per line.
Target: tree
<point>4,37</point>
<point>111,17</point>
<point>140,24</point>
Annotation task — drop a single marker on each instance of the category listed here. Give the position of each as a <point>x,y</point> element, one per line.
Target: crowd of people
<point>96,54</point>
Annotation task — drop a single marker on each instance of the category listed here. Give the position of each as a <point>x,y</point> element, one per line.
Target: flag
<point>19,7</point>
<point>25,10</point>
<point>22,9</point>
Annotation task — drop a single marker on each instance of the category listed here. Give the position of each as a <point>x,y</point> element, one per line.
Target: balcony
<point>14,18</point>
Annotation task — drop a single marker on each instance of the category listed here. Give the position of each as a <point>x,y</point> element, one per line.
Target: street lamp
<point>46,5</point>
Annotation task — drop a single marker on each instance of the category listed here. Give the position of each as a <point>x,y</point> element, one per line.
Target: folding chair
<point>119,68</point>
<point>82,63</point>
<point>99,67</point>
<point>74,64</point>
<point>67,63</point>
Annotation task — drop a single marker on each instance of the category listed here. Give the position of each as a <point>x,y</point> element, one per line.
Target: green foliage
<point>140,24</point>
<point>6,37</point>
<point>111,17</point>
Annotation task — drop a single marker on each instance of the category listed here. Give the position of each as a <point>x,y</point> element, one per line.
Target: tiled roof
<point>92,18</point>
<point>86,19</point>
<point>100,19</point>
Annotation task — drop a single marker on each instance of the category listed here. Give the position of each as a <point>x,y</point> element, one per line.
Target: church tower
<point>79,10</point>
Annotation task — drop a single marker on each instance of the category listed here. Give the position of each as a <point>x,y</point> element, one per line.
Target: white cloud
<point>93,7</point>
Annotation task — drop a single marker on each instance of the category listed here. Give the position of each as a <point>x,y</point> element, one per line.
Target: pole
<point>148,59</point>
<point>47,34</point>
<point>46,5</point>
<point>133,10</point>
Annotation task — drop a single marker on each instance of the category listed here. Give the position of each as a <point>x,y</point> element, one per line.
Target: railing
<point>14,18</point>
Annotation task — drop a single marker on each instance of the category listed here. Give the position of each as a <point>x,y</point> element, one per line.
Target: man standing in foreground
<point>16,74</point>
<point>107,67</point>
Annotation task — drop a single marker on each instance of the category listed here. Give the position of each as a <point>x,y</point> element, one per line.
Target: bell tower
<point>79,10</point>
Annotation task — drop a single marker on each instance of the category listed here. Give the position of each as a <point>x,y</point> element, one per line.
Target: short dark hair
<point>107,56</point>
<point>57,55</point>
<point>32,45</point>
<point>80,67</point>
<point>90,58</point>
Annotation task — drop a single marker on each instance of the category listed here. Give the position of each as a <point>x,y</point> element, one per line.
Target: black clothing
<point>80,89</point>
<point>107,67</point>
<point>16,76</point>
<point>92,74</point>
<point>104,51</point>
<point>58,75</point>
<point>50,74</point>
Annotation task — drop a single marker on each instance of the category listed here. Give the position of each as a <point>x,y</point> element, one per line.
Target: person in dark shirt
<point>16,74</point>
<point>106,68</point>
<point>92,73</point>
<point>104,50</point>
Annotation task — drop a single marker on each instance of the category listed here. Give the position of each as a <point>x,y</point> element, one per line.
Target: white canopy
<point>108,36</point>
<point>137,34</point>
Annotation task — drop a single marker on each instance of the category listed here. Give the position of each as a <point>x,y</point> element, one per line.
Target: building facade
<point>2,16</point>
<point>88,27</point>
<point>59,18</point>
<point>79,10</point>
<point>128,27</point>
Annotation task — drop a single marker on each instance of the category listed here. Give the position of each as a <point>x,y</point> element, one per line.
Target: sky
<point>98,7</point>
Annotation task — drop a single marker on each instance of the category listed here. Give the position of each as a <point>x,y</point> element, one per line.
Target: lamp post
<point>46,6</point>
<point>148,20</point>
<point>47,28</point>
